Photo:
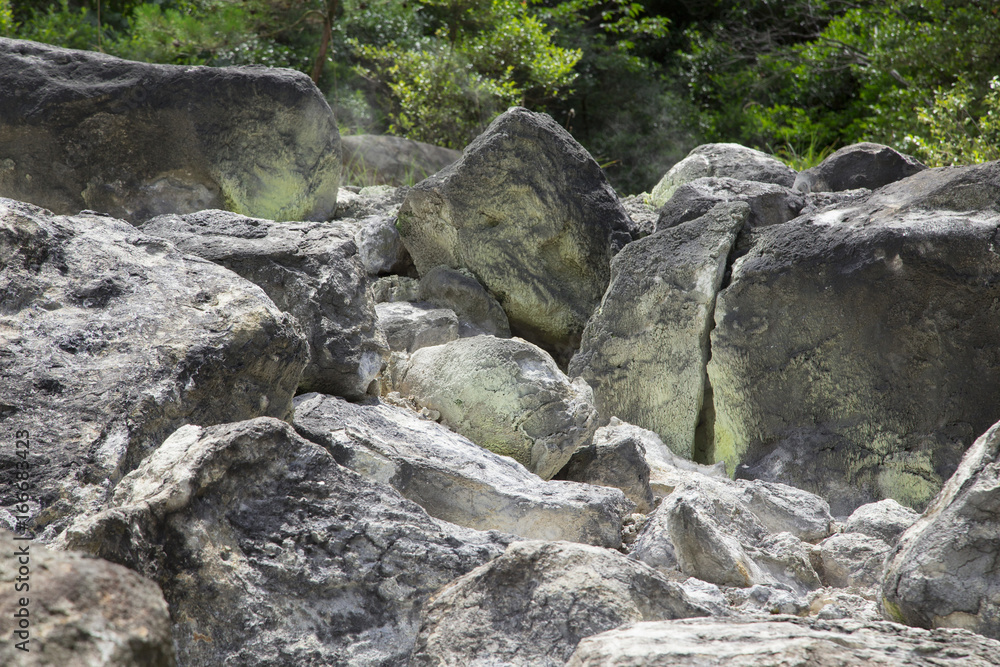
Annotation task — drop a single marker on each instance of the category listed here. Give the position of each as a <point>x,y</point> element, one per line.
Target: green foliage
<point>60,24</point>
<point>7,24</point>
<point>960,127</point>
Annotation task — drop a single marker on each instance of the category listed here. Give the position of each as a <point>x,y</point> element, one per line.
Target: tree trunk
<point>324,45</point>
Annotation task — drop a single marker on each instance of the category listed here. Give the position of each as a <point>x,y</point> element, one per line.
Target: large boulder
<point>722,160</point>
<point>64,608</point>
<point>531,215</point>
<point>856,354</point>
<point>531,606</point>
<point>269,552</point>
<point>310,270</point>
<point>506,395</point>
<point>84,130</point>
<point>455,479</point>
<point>373,159</point>
<point>644,350</point>
<point>785,641</point>
<point>945,570</point>
<point>864,165</point>
<point>112,339</point>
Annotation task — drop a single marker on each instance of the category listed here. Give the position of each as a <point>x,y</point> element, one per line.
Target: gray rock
<point>770,204</point>
<point>850,560</point>
<point>78,611</point>
<point>785,641</point>
<point>311,271</point>
<point>765,601</point>
<point>531,215</point>
<point>784,508</point>
<point>506,395</point>
<point>534,604</point>
<point>380,247</point>
<point>455,479</point>
<point>833,604</point>
<point>361,203</point>
<point>411,326</point>
<point>945,570</point>
<point>112,339</point>
<point>886,520</point>
<point>269,552</point>
<point>642,213</point>
<point>388,289</point>
<point>84,130</point>
<point>852,355</point>
<point>371,159</point>
<point>461,292</point>
<point>723,160</point>
<point>610,460</point>
<point>644,350</point>
<point>864,165</point>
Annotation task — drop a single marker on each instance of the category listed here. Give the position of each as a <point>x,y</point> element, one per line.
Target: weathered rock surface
<point>770,204</point>
<point>460,291</point>
<point>850,560</point>
<point>411,326</point>
<point>853,355</point>
<point>84,130</point>
<point>722,160</point>
<point>455,479</point>
<point>644,350</point>
<point>354,203</point>
<point>886,520</point>
<point>78,611</point>
<point>269,552</point>
<point>388,289</point>
<point>788,641</point>
<point>642,214</point>
<point>371,159</point>
<point>311,271</point>
<point>506,395</point>
<point>864,165</point>
<point>945,570</point>
<point>531,215</point>
<point>534,604</point>
<point>611,460</point>
<point>110,339</point>
<point>380,247</point>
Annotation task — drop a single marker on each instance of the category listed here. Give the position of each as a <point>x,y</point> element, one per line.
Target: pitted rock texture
<point>110,339</point>
<point>645,348</point>
<point>864,165</point>
<point>269,552</point>
<point>945,570</point>
<point>311,271</point>
<point>79,611</point>
<point>456,480</point>
<point>722,160</point>
<point>506,395</point>
<point>531,606</point>
<point>770,204</point>
<point>529,212</point>
<point>850,560</point>
<point>854,355</point>
<point>85,130</point>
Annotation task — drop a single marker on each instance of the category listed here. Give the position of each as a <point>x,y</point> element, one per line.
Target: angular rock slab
<point>411,326</point>
<point>531,215</point>
<point>864,165</point>
<point>945,570</point>
<point>310,270</point>
<point>269,552</point>
<point>455,479</point>
<point>856,352</point>
<point>644,350</point>
<point>770,204</point>
<point>461,292</point>
<point>531,606</point>
<point>886,520</point>
<point>111,339</point>
<point>722,160</point>
<point>84,130</point>
<point>506,395</point>
<point>79,611</point>
<point>789,641</point>
<point>613,461</point>
<point>850,560</point>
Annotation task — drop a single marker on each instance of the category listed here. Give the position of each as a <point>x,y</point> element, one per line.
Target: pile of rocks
<point>499,417</point>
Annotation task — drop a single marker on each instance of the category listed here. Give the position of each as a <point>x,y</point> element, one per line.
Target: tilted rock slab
<point>269,552</point>
<point>618,462</point>
<point>864,165</point>
<point>111,339</point>
<point>461,292</point>
<point>84,130</point>
<point>531,215</point>
<point>945,570</point>
<point>886,520</point>
<point>644,351</point>
<point>856,352</point>
<point>506,395</point>
<point>770,204</point>
<point>850,560</point>
<point>531,606</point>
<point>722,160</point>
<point>411,326</point>
<point>788,641</point>
<point>71,609</point>
<point>310,270</point>
<point>455,479</point>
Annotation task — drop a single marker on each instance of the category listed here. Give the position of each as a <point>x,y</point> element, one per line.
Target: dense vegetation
<point>638,84</point>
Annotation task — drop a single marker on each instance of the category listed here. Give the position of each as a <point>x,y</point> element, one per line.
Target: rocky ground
<point>498,417</point>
